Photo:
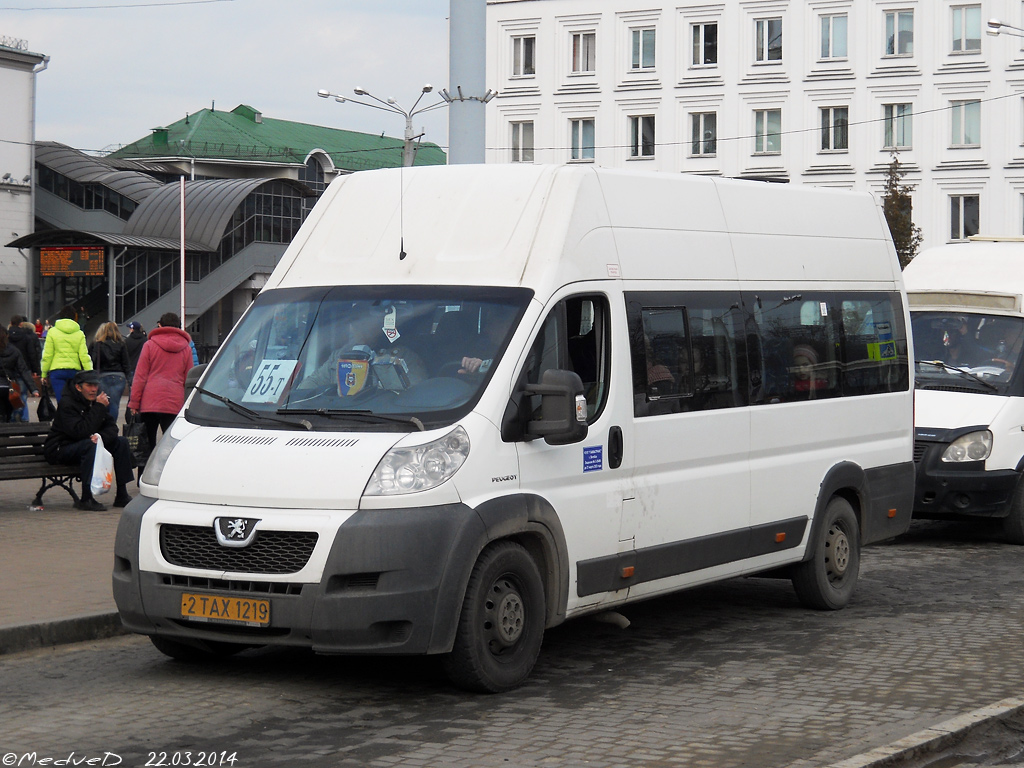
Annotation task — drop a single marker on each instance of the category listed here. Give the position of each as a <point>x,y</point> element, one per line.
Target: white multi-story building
<point>817,92</point>
<point>18,69</point>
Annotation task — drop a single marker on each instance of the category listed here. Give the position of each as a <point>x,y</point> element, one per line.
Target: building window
<point>522,142</point>
<point>835,129</point>
<point>705,44</point>
<point>899,33</point>
<point>768,34</point>
<point>898,126</point>
<point>584,52</point>
<point>582,139</point>
<point>524,63</point>
<point>966,28</point>
<point>643,49</point>
<point>966,124</point>
<point>964,216</point>
<point>833,36</point>
<point>704,133</point>
<point>641,136</point>
<point>767,131</point>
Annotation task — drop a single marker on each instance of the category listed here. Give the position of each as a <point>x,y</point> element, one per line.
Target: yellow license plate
<point>231,610</point>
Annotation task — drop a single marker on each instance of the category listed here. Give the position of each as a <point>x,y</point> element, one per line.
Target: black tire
<point>826,581</point>
<point>1013,523</point>
<point>502,622</point>
<point>196,650</point>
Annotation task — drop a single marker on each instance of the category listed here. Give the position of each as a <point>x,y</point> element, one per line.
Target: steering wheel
<point>451,370</point>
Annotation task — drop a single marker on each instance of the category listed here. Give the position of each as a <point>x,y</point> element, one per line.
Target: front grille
<point>226,585</point>
<point>193,546</point>
<point>920,449</point>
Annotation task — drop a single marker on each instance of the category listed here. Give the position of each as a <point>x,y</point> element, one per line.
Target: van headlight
<point>158,458</point>
<point>974,446</point>
<point>408,470</point>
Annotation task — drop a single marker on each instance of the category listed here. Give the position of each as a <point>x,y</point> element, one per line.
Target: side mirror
<point>563,418</point>
<point>192,378</point>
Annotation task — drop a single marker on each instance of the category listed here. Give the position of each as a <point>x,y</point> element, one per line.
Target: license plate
<point>228,610</point>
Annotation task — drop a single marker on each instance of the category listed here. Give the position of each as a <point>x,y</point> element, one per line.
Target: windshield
<point>966,352</point>
<point>364,357</point>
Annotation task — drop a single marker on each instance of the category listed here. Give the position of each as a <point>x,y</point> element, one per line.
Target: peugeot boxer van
<point>968,325</point>
<point>475,401</point>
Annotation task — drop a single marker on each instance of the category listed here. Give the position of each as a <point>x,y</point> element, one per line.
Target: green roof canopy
<point>244,134</point>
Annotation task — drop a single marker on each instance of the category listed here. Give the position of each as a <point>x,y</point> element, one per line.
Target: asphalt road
<point>733,674</point>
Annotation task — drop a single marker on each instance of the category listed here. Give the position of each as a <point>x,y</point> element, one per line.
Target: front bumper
<point>393,583</point>
<point>951,491</point>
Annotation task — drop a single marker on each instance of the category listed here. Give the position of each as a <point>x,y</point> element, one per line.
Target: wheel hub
<point>510,618</point>
<point>838,551</point>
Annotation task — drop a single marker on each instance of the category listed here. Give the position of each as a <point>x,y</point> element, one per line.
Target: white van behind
<point>967,313</point>
<point>475,401</point>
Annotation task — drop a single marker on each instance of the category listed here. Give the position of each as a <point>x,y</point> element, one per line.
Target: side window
<point>798,347</point>
<point>686,352</point>
<point>574,337</point>
<point>874,345</point>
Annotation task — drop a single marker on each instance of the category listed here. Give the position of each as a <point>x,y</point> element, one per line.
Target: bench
<point>21,458</point>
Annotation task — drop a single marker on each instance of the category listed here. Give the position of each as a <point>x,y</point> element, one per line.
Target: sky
<point>119,68</point>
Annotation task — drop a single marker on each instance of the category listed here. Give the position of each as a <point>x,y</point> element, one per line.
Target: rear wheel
<point>502,622</point>
<point>195,650</point>
<point>826,581</point>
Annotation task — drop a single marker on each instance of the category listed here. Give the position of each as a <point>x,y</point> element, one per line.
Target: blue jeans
<point>58,378</point>
<point>113,384</point>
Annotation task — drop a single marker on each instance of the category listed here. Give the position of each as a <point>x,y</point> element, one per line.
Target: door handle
<point>615,447</point>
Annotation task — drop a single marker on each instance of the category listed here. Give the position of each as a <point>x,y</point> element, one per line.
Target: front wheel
<point>1013,523</point>
<point>826,581</point>
<point>502,622</point>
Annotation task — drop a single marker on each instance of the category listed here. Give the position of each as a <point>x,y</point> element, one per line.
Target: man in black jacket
<point>134,341</point>
<point>83,420</point>
<point>26,341</point>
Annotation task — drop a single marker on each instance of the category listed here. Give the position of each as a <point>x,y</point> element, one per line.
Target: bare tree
<point>898,209</point>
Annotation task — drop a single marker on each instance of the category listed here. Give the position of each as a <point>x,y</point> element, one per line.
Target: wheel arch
<point>531,522</point>
<point>847,481</point>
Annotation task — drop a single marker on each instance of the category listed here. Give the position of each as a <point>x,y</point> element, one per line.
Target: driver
<point>960,349</point>
<point>365,333</point>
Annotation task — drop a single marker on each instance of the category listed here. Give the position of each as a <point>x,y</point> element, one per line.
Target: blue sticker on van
<point>593,458</point>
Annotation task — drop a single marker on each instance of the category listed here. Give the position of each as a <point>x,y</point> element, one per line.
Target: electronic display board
<point>71,260</point>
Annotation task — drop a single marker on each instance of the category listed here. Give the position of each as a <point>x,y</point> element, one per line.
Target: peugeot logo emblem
<point>235,531</point>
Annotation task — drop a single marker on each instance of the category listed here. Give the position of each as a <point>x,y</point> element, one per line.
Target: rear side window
<point>798,346</point>
<point>816,345</point>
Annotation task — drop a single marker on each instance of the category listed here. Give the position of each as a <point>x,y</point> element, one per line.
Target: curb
<point>47,634</point>
<point>936,738</point>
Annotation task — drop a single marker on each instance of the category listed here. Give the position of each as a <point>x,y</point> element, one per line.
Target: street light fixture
<point>390,105</point>
<point>996,27</point>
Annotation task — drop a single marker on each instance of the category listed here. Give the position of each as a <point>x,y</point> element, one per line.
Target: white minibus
<point>967,318</point>
<point>475,401</point>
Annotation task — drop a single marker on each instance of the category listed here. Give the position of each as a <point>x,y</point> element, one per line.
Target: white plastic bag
<point>102,470</point>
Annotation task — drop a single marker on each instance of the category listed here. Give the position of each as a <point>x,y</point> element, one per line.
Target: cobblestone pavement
<point>734,674</point>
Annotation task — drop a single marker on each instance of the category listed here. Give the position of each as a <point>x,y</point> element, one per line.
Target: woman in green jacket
<point>65,352</point>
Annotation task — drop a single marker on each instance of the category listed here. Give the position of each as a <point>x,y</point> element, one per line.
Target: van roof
<point>983,274</point>
<point>543,226</point>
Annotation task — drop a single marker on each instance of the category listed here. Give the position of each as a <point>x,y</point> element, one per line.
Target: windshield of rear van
<point>965,351</point>
<point>359,357</point>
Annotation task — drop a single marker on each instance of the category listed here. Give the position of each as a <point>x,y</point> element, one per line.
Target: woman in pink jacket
<point>158,389</point>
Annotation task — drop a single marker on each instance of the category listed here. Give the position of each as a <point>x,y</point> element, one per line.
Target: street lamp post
<point>390,105</point>
<point>997,27</point>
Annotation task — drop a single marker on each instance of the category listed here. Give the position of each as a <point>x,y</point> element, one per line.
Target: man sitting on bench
<point>82,420</point>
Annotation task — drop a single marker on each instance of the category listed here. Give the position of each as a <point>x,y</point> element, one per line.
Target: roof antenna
<point>213,105</point>
<point>401,211</point>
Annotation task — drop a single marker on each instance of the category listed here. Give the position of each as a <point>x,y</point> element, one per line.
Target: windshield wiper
<point>251,414</point>
<point>948,367</point>
<point>341,413</point>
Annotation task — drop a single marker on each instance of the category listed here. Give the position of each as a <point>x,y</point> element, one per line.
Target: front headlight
<point>974,446</point>
<point>158,458</point>
<point>408,470</point>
